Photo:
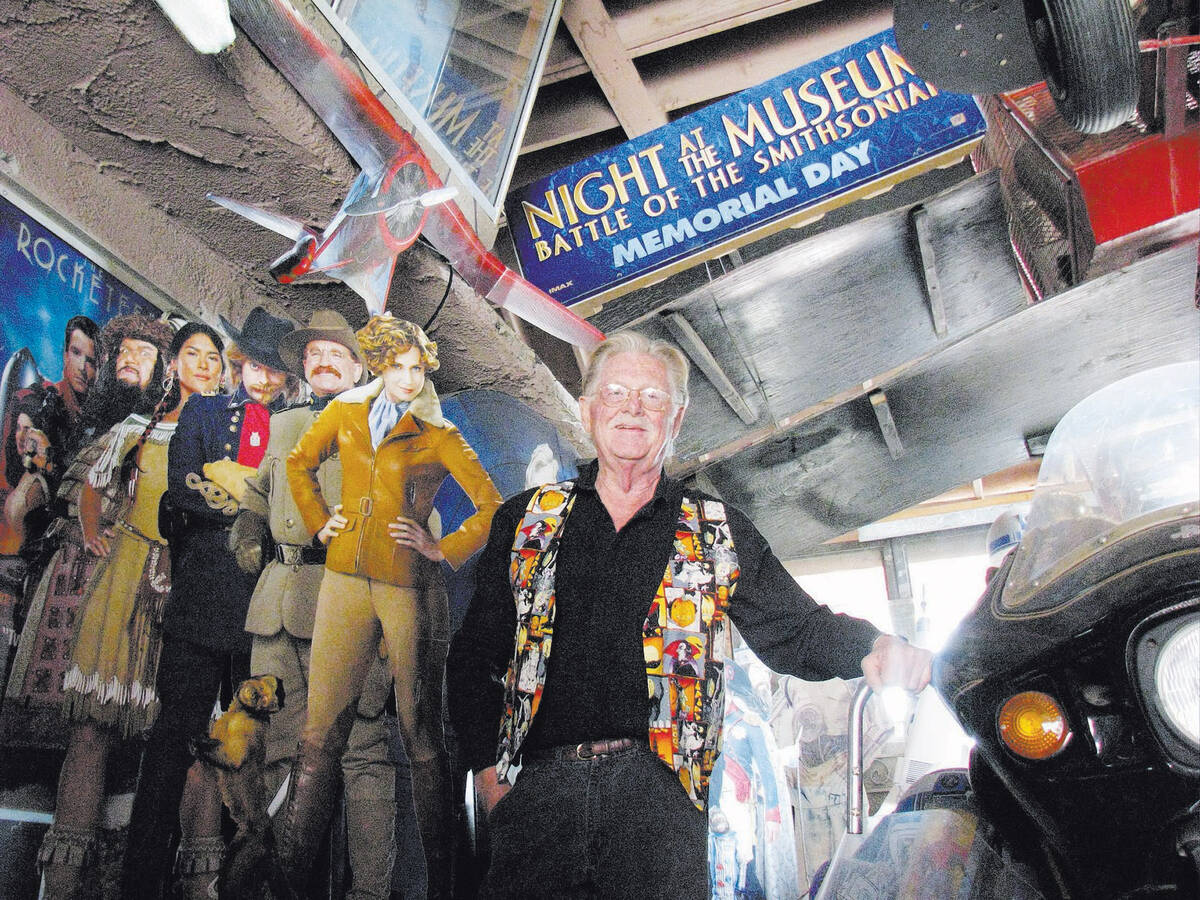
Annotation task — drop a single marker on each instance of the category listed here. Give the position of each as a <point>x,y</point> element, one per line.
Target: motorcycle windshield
<point>1115,463</point>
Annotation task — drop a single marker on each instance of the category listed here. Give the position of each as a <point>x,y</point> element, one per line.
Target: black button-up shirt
<point>605,582</point>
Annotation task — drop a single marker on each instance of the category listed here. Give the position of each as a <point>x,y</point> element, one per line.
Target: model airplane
<point>395,198</point>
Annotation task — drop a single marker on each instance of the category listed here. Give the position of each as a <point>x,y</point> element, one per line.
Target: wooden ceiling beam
<point>650,27</point>
<point>473,12</point>
<point>567,112</point>
<point>684,80</point>
<point>596,36</point>
<point>726,67</point>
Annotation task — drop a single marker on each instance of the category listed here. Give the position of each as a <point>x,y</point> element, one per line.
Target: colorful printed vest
<point>684,637</point>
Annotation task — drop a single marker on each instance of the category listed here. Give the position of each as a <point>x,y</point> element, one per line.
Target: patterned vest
<point>683,639</point>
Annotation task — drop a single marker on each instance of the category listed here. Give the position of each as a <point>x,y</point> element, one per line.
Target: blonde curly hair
<point>384,338</point>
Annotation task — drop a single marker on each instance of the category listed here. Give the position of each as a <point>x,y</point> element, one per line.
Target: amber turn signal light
<point>1033,725</point>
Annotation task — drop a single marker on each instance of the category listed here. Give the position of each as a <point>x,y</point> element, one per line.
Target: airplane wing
<point>380,145</point>
<point>289,228</point>
<point>531,303</point>
<point>449,232</point>
<point>356,117</point>
<point>372,284</point>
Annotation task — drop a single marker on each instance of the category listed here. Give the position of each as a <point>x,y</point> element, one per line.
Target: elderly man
<point>635,577</point>
<point>284,604</point>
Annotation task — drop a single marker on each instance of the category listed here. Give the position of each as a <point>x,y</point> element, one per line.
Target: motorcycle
<point>1077,674</point>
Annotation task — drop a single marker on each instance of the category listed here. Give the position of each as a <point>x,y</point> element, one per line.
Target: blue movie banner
<point>714,178</point>
<point>46,282</point>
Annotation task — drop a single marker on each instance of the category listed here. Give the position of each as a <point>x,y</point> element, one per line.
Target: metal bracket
<point>898,580</point>
<point>693,345</point>
<point>887,425</point>
<point>1035,444</point>
<point>933,288</point>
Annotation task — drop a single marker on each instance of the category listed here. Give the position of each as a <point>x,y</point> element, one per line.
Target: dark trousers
<point>189,681</point>
<point>618,826</point>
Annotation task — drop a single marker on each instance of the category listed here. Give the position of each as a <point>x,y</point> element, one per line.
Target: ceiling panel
<point>965,411</point>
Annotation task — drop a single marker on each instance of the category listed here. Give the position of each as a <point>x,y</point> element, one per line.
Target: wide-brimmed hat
<point>260,336</point>
<point>325,325</point>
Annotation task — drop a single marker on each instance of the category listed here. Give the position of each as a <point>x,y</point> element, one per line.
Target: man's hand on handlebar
<point>894,662</point>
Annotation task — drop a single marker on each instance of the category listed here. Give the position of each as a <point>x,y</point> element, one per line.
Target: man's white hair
<point>635,342</point>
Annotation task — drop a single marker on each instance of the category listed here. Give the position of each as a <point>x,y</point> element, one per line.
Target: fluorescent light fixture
<point>205,24</point>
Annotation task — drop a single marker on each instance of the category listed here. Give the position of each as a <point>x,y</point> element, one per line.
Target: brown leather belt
<point>585,751</point>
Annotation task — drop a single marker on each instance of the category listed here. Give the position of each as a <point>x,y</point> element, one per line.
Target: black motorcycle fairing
<point>1109,802</point>
<point>1124,576</point>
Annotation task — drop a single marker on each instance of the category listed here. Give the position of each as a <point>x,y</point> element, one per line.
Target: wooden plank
<point>596,36</point>
<point>644,302</point>
<point>887,423</point>
<point>717,66</point>
<point>652,27</point>
<point>687,338</point>
<point>817,319</point>
<point>933,288</point>
<point>566,112</point>
<point>485,50</point>
<point>966,408</point>
<point>645,28</point>
<point>480,12</point>
<point>898,581</point>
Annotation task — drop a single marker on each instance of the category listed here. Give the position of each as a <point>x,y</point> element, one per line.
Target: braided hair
<point>170,398</point>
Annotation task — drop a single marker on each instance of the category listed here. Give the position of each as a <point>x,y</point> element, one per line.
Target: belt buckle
<point>585,751</point>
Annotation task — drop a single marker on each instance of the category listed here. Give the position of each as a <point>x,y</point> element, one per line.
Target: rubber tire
<point>1089,56</point>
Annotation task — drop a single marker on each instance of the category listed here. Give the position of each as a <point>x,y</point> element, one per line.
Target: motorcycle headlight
<point>1165,664</point>
<point>1177,680</point>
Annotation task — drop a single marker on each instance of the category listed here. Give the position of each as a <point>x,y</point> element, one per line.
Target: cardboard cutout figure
<point>204,639</point>
<point>382,578</point>
<point>284,605</point>
<point>110,684</point>
<point>34,693</point>
<point>41,430</point>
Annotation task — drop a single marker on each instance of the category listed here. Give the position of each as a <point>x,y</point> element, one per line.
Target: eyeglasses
<point>617,395</point>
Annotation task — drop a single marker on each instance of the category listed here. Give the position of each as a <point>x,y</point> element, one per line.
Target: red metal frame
<point>1129,180</point>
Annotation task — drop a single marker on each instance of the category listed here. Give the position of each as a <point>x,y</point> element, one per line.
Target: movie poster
<point>47,285</point>
<point>45,282</point>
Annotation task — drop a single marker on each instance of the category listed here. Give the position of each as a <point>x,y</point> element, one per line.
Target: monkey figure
<point>236,746</point>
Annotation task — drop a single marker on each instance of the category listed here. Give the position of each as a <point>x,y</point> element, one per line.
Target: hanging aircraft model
<point>396,197</point>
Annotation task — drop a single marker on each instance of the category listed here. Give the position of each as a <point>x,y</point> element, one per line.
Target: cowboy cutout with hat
<point>220,440</point>
<point>269,536</point>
